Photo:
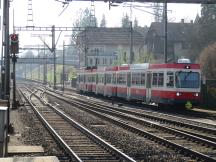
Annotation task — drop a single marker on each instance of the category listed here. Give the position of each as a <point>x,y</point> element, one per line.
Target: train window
<point>81,78</point>
<point>138,79</point>
<point>142,78</point>
<point>133,78</point>
<point>160,79</point>
<point>187,79</point>
<point>89,78</point>
<point>99,78</point>
<point>121,78</point>
<point>96,78</point>
<point>124,78</point>
<point>154,81</point>
<point>93,78</point>
<point>170,80</point>
<point>102,78</point>
<point>108,78</point>
<point>86,78</point>
<point>113,78</point>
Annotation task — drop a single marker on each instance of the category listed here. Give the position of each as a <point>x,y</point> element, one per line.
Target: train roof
<point>112,68</point>
<point>142,66</point>
<point>124,67</point>
<point>175,66</point>
<point>139,66</point>
<point>100,69</point>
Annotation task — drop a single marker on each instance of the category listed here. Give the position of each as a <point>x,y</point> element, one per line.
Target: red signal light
<point>14,37</point>
<point>14,43</point>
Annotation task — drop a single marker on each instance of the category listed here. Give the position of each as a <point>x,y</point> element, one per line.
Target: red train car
<point>100,81</point>
<point>174,84</point>
<point>163,84</point>
<point>110,82</point>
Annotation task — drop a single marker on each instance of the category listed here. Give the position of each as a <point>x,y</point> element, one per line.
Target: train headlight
<point>178,93</point>
<point>196,94</point>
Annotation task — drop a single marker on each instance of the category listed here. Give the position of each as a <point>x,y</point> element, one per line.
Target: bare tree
<point>207,61</point>
<point>103,22</point>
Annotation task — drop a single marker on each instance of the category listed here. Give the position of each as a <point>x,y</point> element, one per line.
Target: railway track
<point>183,141</point>
<point>199,129</point>
<point>78,142</point>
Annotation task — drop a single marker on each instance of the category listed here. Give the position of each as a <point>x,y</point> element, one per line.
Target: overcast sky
<point>46,13</point>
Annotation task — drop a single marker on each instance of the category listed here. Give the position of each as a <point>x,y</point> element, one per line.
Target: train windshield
<point>187,79</point>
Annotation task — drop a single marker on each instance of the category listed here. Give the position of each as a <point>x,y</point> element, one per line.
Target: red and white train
<point>163,84</point>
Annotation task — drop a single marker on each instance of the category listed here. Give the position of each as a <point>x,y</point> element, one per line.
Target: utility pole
<point>25,71</point>
<point>165,31</point>
<point>31,70</point>
<point>45,68</point>
<point>131,43</point>
<point>5,70</point>
<point>38,65</point>
<point>6,92</point>
<point>63,66</point>
<point>14,60</point>
<point>86,50</point>
<point>54,55</point>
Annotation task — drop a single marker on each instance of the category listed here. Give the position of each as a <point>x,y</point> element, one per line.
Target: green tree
<point>125,21</point>
<point>145,57</point>
<point>83,20</point>
<point>103,22</point>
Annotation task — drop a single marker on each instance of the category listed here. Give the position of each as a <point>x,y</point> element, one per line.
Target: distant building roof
<point>110,36</point>
<point>175,31</point>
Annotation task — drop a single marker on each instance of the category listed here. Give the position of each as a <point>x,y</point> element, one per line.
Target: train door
<point>128,85</point>
<point>105,82</point>
<point>114,84</point>
<point>148,87</point>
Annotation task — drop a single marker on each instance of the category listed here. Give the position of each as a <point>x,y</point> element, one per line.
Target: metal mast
<point>30,14</point>
<point>92,15</point>
<point>165,31</point>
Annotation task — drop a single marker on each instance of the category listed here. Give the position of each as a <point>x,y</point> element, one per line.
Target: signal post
<point>14,49</point>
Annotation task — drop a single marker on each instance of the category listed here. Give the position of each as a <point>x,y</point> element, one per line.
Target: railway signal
<point>14,43</point>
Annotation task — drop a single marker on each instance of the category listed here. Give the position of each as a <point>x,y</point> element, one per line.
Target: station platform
<point>15,150</point>
<point>31,159</point>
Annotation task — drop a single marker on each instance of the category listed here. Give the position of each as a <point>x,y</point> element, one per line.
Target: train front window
<point>187,79</point>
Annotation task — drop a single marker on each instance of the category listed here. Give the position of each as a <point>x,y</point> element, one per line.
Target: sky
<point>47,13</point>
